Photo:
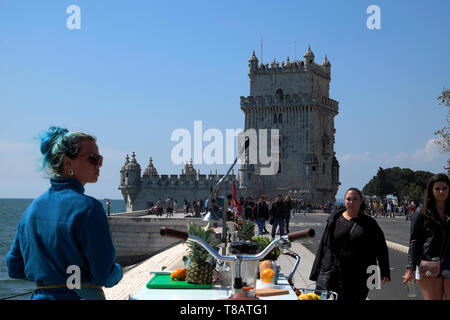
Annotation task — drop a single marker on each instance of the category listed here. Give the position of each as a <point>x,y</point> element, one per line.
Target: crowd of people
<point>387,208</point>
<point>64,227</point>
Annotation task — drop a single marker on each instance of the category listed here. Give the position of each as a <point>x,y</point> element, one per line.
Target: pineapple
<point>200,268</point>
<point>247,230</point>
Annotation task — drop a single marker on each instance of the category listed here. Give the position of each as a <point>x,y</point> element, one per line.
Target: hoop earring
<point>70,172</point>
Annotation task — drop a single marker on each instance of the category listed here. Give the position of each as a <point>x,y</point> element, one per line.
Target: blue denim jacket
<point>61,228</point>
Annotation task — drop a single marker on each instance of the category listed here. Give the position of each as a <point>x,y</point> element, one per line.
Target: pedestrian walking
<point>261,215</point>
<point>287,206</point>
<point>352,241</point>
<point>159,208</point>
<point>429,250</point>
<point>170,207</point>
<point>197,208</point>
<point>185,206</point>
<point>249,208</point>
<point>375,209</point>
<point>390,210</point>
<point>268,207</point>
<point>277,215</point>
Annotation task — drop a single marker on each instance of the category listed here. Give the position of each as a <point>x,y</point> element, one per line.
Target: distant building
<point>139,192</point>
<point>292,97</point>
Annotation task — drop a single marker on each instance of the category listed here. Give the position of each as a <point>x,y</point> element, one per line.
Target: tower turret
<point>122,171</point>
<point>252,63</point>
<point>308,58</point>
<point>149,172</point>
<point>189,169</point>
<point>132,172</point>
<point>326,64</point>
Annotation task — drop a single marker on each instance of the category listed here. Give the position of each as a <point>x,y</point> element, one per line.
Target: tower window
<point>279,93</point>
<point>275,118</point>
<point>280,118</point>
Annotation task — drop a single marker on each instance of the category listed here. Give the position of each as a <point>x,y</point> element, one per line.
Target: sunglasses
<point>95,159</point>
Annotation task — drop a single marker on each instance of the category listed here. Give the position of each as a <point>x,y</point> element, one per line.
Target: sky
<point>136,71</point>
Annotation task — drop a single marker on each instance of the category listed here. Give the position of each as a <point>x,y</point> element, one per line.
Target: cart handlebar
<point>307,233</point>
<point>282,240</point>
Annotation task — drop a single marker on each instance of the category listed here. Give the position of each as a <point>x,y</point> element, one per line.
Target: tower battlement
<point>288,66</point>
<point>293,100</point>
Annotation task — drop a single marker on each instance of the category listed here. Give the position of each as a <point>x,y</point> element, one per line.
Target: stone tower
<point>293,97</point>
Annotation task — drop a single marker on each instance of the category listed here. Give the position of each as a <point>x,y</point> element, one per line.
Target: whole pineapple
<point>199,270</point>
<point>247,230</point>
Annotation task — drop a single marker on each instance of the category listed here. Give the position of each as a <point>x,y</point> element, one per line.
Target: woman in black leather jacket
<point>361,241</point>
<point>430,228</point>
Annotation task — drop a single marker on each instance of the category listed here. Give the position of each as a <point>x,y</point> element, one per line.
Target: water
<point>11,210</point>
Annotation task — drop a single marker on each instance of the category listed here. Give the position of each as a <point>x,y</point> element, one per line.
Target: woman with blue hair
<point>63,242</point>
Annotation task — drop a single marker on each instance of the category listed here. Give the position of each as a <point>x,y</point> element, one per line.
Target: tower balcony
<point>294,100</point>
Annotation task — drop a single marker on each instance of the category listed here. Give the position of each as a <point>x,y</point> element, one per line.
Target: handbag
<point>432,269</point>
<point>327,279</point>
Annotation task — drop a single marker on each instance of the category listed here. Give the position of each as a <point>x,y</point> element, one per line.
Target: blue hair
<point>58,143</point>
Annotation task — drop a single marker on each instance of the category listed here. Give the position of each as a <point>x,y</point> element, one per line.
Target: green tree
<point>405,184</point>
<point>414,193</point>
<point>443,135</point>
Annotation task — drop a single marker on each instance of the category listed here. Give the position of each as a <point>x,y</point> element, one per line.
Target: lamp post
<point>108,206</point>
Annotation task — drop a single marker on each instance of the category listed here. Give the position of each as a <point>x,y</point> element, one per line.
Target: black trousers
<point>351,288</point>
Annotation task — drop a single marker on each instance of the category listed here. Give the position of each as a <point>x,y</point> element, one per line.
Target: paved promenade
<point>136,276</point>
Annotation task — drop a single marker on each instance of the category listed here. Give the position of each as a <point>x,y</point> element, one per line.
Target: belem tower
<point>292,97</point>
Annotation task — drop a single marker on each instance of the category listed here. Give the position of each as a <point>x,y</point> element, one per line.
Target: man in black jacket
<point>261,215</point>
<point>277,214</point>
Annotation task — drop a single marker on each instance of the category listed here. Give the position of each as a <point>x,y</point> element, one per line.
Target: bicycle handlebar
<point>185,236</point>
<point>301,234</point>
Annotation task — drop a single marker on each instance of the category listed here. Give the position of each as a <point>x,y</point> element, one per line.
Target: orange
<point>265,264</point>
<point>267,275</point>
<point>178,274</point>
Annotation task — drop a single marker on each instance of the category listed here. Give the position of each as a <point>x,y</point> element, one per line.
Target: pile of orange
<point>267,272</point>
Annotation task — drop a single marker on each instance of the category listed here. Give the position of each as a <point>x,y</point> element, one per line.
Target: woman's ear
<point>67,165</point>
<point>67,162</point>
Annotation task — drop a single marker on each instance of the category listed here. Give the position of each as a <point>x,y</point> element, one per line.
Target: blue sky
<point>138,70</point>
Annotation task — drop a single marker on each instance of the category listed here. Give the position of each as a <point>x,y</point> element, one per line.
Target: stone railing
<point>136,237</point>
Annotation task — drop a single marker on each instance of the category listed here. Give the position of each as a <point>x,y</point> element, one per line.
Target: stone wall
<point>137,237</point>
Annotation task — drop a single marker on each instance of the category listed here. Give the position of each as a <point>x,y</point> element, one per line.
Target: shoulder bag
<point>432,269</point>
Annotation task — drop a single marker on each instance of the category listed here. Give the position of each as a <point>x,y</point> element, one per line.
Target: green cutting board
<point>163,281</point>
